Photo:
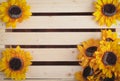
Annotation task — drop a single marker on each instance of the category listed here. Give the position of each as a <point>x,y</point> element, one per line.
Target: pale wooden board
<point>60,79</point>
<point>51,72</point>
<point>118,31</point>
<point>1,47</point>
<point>60,5</point>
<point>52,54</point>
<point>60,22</point>
<point>46,38</point>
<point>2,31</point>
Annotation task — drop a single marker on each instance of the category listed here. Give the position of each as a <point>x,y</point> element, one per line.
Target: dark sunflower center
<point>109,9</point>
<point>109,58</point>
<point>90,51</point>
<point>87,72</point>
<point>15,11</point>
<point>15,64</point>
<point>109,79</point>
<point>109,40</point>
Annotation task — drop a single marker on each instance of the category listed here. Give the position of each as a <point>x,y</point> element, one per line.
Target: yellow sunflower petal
<point>18,48</point>
<point>108,22</point>
<point>5,19</point>
<point>2,9</point>
<point>100,2</point>
<point>105,1</point>
<point>109,34</point>
<point>10,56</point>
<point>12,2</point>
<point>101,17</point>
<point>115,1</point>
<point>109,1</point>
<point>8,24</point>
<point>83,56</point>
<point>78,76</point>
<point>11,20</point>
<point>101,21</point>
<point>5,4</point>
<point>109,48</point>
<point>1,15</point>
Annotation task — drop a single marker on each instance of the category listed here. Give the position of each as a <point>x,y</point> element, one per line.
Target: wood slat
<point>53,54</point>
<point>59,79</point>
<point>65,72</point>
<point>60,22</point>
<point>2,31</point>
<point>46,38</point>
<point>61,5</point>
<point>57,54</point>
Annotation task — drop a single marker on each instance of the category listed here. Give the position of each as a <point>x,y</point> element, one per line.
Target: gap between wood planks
<point>63,14</point>
<point>57,30</point>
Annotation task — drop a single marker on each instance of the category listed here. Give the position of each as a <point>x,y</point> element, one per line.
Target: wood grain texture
<point>60,22</point>
<point>52,54</point>
<point>55,38</point>
<point>51,72</point>
<point>43,79</point>
<point>60,5</point>
<point>53,46</point>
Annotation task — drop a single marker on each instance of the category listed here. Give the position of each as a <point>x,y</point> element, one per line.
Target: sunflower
<point>109,79</point>
<point>109,36</point>
<point>14,63</point>
<point>14,11</point>
<point>79,76</point>
<point>99,76</point>
<point>107,12</point>
<point>108,59</point>
<point>87,50</point>
<point>96,76</point>
<point>83,76</point>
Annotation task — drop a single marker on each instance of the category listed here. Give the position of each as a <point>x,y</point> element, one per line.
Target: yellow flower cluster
<point>107,12</point>
<point>14,63</point>
<point>100,58</point>
<point>14,11</point>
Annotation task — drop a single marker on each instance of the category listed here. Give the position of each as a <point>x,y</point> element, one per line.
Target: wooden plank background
<point>53,31</point>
